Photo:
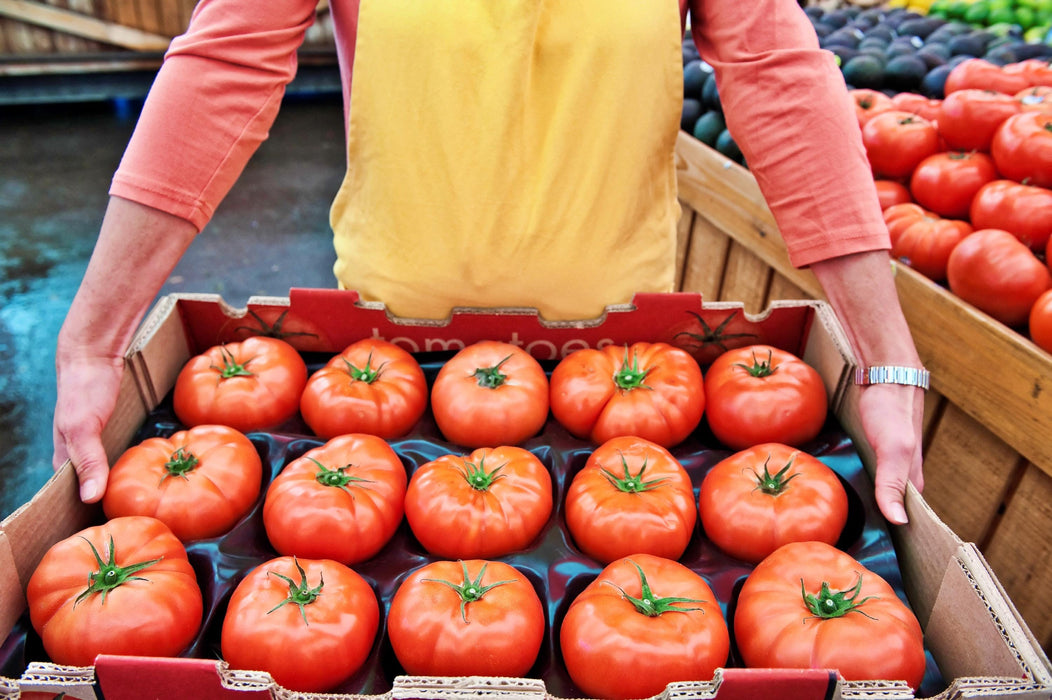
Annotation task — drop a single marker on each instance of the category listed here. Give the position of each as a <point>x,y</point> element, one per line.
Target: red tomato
<point>198,482</point>
<point>490,394</point>
<point>645,622</point>
<point>996,273</point>
<point>984,75</point>
<point>341,501</point>
<point>810,605</point>
<point>371,387</point>
<point>1040,322</point>
<point>758,499</point>
<point>1035,99</point>
<point>251,385</point>
<point>890,193</point>
<point>868,103</point>
<point>1022,148</point>
<point>945,183</point>
<point>1022,210</point>
<point>310,624</point>
<point>896,141</point>
<point>922,239</point>
<point>631,496</point>
<point>466,618</point>
<point>650,390</point>
<point>920,105</point>
<point>490,503</point>
<point>760,393</point>
<point>124,587</point>
<point>968,118</point>
<point>1036,71</point>
<point>281,323</point>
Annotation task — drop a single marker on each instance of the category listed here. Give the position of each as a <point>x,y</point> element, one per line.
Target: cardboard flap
<point>449,688</point>
<point>792,684</point>
<point>136,677</point>
<point>59,681</point>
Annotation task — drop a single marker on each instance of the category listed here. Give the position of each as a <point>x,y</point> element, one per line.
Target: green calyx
<point>829,604</point>
<point>629,482</point>
<point>336,477</point>
<point>231,368</point>
<point>477,476</point>
<point>109,575</point>
<point>759,368</point>
<point>367,374</point>
<point>181,463</point>
<point>468,590</point>
<point>651,605</point>
<point>774,484</point>
<point>630,376</point>
<point>300,594</point>
<point>491,377</point>
<point>717,336</point>
<point>273,330</point>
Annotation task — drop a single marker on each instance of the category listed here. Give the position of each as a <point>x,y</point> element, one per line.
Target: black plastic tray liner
<point>557,569</point>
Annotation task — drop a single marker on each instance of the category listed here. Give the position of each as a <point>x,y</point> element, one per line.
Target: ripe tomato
<point>373,387</point>
<point>650,390</point>
<point>631,496</point>
<point>1040,322</point>
<point>920,105</point>
<point>341,501</point>
<point>278,322</point>
<point>489,394</point>
<point>810,605</point>
<point>199,482</point>
<point>1022,148</point>
<point>1024,211</point>
<point>760,393</point>
<point>996,273</point>
<point>984,75</point>
<point>490,503</point>
<point>922,239</point>
<point>896,141</point>
<point>946,183</point>
<point>309,623</point>
<point>466,618</point>
<point>890,193</point>
<point>1035,99</point>
<point>1036,71</point>
<point>123,587</point>
<point>968,118</point>
<point>251,385</point>
<point>868,103</point>
<point>645,622</point>
<point>758,499</point>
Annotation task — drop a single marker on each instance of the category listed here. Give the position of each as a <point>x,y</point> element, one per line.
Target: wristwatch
<point>891,374</point>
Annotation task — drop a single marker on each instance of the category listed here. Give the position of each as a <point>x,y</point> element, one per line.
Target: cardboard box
<point>973,632</point>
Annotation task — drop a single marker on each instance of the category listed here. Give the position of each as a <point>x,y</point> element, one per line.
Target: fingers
<point>89,461</point>
<point>892,418</point>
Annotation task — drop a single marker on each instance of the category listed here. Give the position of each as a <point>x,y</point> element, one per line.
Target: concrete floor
<point>270,234</point>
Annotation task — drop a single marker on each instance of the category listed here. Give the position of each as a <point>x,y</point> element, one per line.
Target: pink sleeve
<point>212,104</point>
<point>786,106</point>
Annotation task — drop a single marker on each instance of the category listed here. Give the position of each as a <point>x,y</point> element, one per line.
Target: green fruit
<point>726,145</point>
<point>1025,17</point>
<point>977,13</point>
<point>709,127</point>
<point>1001,14</point>
<point>864,71</point>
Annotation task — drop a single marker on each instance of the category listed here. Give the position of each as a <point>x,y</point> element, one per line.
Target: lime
<point>977,13</point>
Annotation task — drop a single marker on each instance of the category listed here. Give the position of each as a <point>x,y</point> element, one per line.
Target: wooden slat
<point>782,287</point>
<point>1023,535</point>
<point>706,259</point>
<point>150,17</point>
<point>967,474</point>
<point>683,226</point>
<point>745,279</point>
<point>41,15</point>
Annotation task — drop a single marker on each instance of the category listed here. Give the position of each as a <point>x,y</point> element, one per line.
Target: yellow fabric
<point>510,153</point>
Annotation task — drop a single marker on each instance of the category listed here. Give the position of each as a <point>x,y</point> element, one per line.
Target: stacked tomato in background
<point>339,520</point>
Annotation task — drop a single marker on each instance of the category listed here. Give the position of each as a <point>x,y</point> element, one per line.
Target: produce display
<point>557,558</point>
<point>954,101</point>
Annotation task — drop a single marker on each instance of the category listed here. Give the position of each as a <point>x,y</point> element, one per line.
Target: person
<point>500,152</point>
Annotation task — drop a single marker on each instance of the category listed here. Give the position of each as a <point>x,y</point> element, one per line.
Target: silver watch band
<point>890,374</point>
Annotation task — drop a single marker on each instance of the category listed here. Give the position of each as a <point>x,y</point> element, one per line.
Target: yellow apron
<point>510,153</point>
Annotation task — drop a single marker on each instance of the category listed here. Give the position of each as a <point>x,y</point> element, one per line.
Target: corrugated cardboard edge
<point>73,681</point>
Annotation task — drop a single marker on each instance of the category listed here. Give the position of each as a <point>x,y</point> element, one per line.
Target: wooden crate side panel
<point>968,471</point>
<point>745,279</point>
<point>683,227</point>
<point>1020,551</point>
<point>706,259</point>
<point>781,287</point>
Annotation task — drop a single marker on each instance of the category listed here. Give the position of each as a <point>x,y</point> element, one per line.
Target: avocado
<point>966,45</point>
<point>726,145</point>
<point>710,95</point>
<point>905,73</point>
<point>691,111</point>
<point>1001,55</point>
<point>934,83</point>
<point>694,75</point>
<point>932,57</point>
<point>921,27</point>
<point>708,127</point>
<point>864,71</point>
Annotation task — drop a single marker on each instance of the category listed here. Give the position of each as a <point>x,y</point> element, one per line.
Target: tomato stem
<point>231,368</point>
<point>477,476</point>
<point>651,605</point>
<point>180,464</point>
<point>299,594</point>
<point>631,483</point>
<point>366,374</point>
<point>828,604</point>
<point>469,591</point>
<point>109,575</point>
<point>491,377</point>
<point>774,484</point>
<point>759,368</point>
<point>630,377</point>
<point>714,336</point>
<point>336,477</point>
<point>273,330</point>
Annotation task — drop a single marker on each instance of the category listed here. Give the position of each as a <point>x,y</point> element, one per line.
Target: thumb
<point>89,461</point>
<point>890,491</point>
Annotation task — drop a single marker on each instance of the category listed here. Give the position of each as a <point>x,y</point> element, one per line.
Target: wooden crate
<point>988,417</point>
<point>70,36</point>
